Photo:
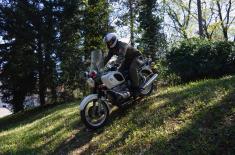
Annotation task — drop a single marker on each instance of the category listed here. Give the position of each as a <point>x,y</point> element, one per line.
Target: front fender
<point>87,99</point>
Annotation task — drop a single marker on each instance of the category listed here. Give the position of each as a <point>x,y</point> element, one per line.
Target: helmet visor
<point>109,43</point>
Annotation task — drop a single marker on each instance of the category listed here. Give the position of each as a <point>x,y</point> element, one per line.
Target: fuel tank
<point>112,79</point>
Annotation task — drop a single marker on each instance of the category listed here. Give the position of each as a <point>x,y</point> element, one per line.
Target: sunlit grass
<point>44,134</point>
<point>195,118</point>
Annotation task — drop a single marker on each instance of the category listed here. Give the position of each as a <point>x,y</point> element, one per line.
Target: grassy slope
<point>197,118</point>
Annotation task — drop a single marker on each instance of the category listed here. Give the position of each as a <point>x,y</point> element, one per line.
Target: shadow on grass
<point>79,141</point>
<point>212,131</point>
<point>178,102</point>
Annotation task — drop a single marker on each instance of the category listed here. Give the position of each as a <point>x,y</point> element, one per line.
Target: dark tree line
<point>45,42</point>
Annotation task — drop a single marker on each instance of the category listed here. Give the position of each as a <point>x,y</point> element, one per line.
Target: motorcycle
<point>111,88</point>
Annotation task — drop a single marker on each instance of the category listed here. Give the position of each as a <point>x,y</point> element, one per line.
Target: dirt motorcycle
<point>111,88</point>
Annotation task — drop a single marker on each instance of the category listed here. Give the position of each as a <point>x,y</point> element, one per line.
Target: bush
<point>196,59</point>
<point>166,78</point>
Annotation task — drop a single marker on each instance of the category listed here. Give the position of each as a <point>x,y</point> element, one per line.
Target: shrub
<point>165,77</point>
<point>195,59</point>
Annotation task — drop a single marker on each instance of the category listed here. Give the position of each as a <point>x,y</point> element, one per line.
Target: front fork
<point>97,104</point>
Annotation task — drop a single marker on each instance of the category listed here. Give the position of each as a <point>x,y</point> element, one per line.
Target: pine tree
<point>71,48</point>
<point>18,74</point>
<point>45,20</point>
<point>44,43</point>
<point>153,40</point>
<point>29,53</point>
<point>96,19</point>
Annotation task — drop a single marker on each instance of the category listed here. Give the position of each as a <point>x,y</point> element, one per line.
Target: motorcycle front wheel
<point>95,114</point>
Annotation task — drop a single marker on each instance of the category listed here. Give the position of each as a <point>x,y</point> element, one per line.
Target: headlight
<point>91,82</point>
<point>93,74</point>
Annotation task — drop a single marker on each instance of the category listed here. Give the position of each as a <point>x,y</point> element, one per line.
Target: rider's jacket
<point>124,52</point>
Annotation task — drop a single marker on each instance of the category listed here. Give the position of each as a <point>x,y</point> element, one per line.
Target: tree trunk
<point>199,9</point>
<point>225,32</point>
<point>42,87</point>
<point>42,90</point>
<point>223,26</point>
<point>18,101</point>
<point>53,94</point>
<point>131,23</point>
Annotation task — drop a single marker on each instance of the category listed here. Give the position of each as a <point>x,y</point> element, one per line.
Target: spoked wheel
<point>95,114</point>
<point>146,75</point>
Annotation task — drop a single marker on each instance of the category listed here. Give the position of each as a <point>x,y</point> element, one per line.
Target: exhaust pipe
<point>150,81</point>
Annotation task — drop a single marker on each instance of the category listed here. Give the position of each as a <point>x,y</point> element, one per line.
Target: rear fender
<point>146,68</point>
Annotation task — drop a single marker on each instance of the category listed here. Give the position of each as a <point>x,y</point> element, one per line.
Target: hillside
<point>196,118</point>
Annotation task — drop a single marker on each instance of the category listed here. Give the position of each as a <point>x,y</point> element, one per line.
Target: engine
<point>119,94</point>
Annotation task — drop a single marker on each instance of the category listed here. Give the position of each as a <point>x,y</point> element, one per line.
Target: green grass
<point>196,118</point>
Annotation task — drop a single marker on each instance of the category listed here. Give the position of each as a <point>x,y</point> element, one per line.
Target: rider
<point>127,57</point>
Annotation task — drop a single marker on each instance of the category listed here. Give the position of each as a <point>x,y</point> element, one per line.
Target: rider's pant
<point>133,73</point>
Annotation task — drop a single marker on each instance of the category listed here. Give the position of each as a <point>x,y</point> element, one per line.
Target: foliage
<point>214,17</point>
<point>95,31</point>
<point>18,60</point>
<point>165,76</point>
<point>196,118</point>
<point>125,15</point>
<point>43,46</point>
<point>195,59</point>
<point>70,50</point>
<point>96,19</point>
<point>180,14</point>
<point>153,41</point>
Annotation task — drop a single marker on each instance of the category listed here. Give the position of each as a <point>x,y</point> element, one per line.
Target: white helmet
<point>111,40</point>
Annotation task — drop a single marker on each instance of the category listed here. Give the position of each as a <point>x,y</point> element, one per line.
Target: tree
<point>126,15</point>
<point>209,21</point>
<point>200,25</point>
<point>30,49</point>
<point>95,27</point>
<point>180,13</point>
<point>82,31</point>
<point>71,46</point>
<point>153,39</point>
<point>224,12</point>
<point>131,17</point>
<point>18,75</point>
<point>45,20</point>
